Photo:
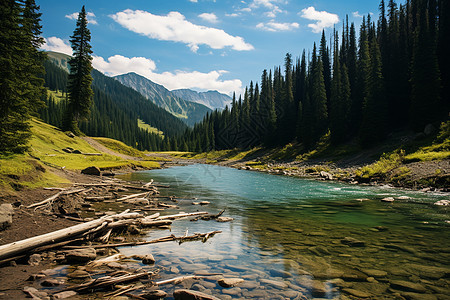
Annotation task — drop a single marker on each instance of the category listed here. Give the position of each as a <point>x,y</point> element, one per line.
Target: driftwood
<point>50,199</point>
<point>197,236</point>
<point>181,215</point>
<point>132,196</point>
<point>150,223</point>
<point>177,280</point>
<point>108,281</point>
<point>209,216</point>
<point>23,246</point>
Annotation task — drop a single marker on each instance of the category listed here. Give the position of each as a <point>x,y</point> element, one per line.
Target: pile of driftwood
<point>81,243</point>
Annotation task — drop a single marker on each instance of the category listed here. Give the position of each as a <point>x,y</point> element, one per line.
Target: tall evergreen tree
<point>20,66</point>
<point>425,77</point>
<point>80,79</point>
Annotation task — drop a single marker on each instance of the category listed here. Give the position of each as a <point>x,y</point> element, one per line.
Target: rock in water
<point>157,294</point>
<point>352,242</point>
<point>326,175</point>
<point>388,199</point>
<point>91,171</point>
<point>6,213</point>
<point>192,295</point>
<point>407,286</point>
<point>64,295</point>
<point>148,259</point>
<point>80,255</point>
<point>229,282</point>
<point>224,219</point>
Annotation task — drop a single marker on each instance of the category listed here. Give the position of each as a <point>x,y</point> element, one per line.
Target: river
<point>295,238</point>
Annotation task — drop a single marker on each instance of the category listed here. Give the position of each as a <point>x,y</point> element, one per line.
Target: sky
<point>198,44</point>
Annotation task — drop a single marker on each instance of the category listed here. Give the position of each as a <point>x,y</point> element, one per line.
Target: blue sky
<point>198,44</point>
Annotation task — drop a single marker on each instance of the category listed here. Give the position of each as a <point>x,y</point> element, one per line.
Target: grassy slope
<point>32,169</point>
<point>143,125</point>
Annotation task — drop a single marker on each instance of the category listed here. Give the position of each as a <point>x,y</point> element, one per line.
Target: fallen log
<point>23,246</point>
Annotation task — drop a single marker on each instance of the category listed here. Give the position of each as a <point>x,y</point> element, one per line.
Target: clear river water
<point>295,238</point>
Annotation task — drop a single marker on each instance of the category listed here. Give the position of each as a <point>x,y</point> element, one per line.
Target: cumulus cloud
<point>209,17</point>
<point>118,64</point>
<point>266,4</point>
<point>324,19</point>
<point>57,45</point>
<point>356,14</point>
<point>274,26</point>
<point>90,16</point>
<point>174,27</point>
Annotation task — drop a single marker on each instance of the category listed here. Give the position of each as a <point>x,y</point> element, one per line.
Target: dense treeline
<point>395,76</point>
<point>21,66</point>
<point>114,112</point>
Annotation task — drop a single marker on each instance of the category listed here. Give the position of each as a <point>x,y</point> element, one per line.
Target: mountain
<point>211,99</point>
<point>189,112</point>
<point>118,111</point>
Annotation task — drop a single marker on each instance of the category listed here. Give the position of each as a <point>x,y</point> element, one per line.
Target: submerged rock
<point>352,242</point>
<point>274,283</point>
<point>229,282</point>
<point>407,286</point>
<point>192,295</point>
<point>157,294</point>
<point>357,293</point>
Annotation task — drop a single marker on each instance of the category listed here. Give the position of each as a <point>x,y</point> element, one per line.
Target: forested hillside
<point>115,111</point>
<point>392,75</point>
<point>189,112</point>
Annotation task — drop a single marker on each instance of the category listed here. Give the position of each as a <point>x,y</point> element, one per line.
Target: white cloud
<point>267,4</point>
<point>324,19</point>
<point>210,17</point>
<point>274,26</point>
<point>194,1</point>
<point>174,27</point>
<point>356,14</point>
<point>118,64</point>
<point>57,45</point>
<point>90,16</point>
<point>233,15</point>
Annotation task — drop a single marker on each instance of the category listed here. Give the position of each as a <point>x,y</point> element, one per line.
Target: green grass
<point>383,166</point>
<point>438,150</point>
<point>30,169</point>
<point>119,147</point>
<point>145,126</point>
<point>56,95</point>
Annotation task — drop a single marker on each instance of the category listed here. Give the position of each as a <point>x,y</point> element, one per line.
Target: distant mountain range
<point>211,99</point>
<point>189,112</point>
<point>188,105</point>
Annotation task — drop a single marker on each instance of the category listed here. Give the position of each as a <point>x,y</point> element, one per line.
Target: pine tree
<point>20,66</point>
<point>80,79</point>
<point>425,77</point>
